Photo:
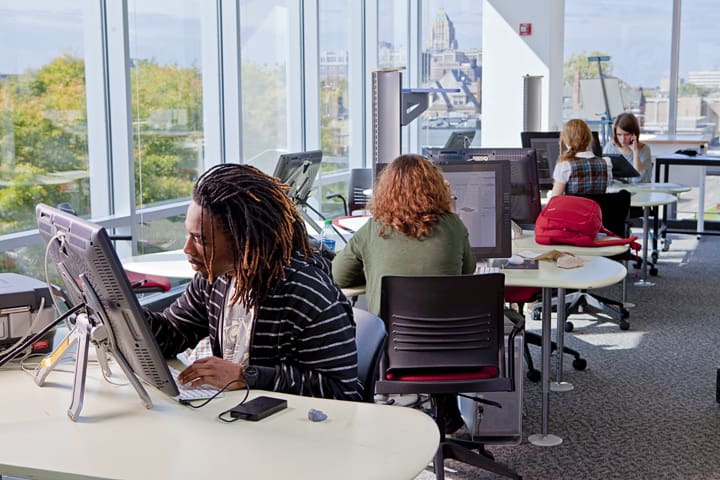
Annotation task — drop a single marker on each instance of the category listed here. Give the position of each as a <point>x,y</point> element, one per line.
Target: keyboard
<point>483,269</point>
<point>192,393</point>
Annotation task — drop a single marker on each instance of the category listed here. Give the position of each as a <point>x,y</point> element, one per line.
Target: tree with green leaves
<point>578,65</point>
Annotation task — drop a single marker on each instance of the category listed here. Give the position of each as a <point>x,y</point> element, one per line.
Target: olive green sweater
<point>368,256</point>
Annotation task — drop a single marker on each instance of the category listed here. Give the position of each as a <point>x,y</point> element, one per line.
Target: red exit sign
<point>525,29</point>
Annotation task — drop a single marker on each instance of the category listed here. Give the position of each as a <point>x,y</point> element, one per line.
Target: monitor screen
<point>524,185</point>
<point>547,148</point>
<point>460,139</point>
<point>482,193</point>
<point>299,171</point>
<point>93,275</point>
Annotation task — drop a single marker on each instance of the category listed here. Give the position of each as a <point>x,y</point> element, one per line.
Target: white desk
<point>172,264</point>
<point>595,273</point>
<point>116,437</point>
<point>646,200</point>
<point>526,242</point>
<point>662,187</point>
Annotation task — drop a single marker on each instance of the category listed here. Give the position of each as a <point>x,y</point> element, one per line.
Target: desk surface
<point>172,264</point>
<point>595,273</point>
<point>679,159</point>
<point>116,437</point>
<point>696,139</point>
<point>664,187</point>
<point>651,199</point>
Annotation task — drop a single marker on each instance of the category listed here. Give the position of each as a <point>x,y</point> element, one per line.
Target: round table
<point>647,200</point>
<point>595,273</point>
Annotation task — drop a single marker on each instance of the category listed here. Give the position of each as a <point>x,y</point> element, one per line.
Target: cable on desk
<point>221,415</point>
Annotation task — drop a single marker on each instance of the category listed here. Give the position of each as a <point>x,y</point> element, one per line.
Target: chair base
<point>577,302</point>
<point>460,450</point>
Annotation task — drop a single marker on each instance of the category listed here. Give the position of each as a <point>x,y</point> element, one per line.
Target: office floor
<point>645,406</point>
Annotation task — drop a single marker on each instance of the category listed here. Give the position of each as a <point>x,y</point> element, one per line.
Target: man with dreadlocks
<point>265,300</point>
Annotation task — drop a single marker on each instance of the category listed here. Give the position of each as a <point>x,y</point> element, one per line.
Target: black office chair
<point>615,213</point>
<point>360,181</point>
<point>446,337</point>
<point>370,338</point>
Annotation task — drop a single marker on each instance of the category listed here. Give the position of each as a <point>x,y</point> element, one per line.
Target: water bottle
<point>328,236</point>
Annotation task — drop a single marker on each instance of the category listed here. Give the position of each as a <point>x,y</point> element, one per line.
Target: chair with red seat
<point>445,339</point>
<point>146,283</point>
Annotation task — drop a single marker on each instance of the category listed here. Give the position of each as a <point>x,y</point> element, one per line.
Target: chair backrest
<point>442,324</point>
<point>370,338</point>
<point>615,209</point>
<point>360,181</point>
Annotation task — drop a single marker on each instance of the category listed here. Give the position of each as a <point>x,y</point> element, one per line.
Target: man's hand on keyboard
<point>213,371</point>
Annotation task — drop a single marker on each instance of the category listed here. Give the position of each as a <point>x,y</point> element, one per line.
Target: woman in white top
<point>579,171</point>
<point>626,142</point>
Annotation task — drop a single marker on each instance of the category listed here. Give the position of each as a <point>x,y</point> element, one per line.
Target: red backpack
<point>571,220</point>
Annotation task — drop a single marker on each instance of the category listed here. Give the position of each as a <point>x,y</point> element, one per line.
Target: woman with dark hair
<point>626,141</point>
<point>578,170</point>
<point>413,231</point>
<point>265,300</point>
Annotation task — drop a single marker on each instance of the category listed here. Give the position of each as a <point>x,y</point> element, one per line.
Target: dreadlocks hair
<point>263,224</point>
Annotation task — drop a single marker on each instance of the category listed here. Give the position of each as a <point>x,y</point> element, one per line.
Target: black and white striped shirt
<point>303,336</point>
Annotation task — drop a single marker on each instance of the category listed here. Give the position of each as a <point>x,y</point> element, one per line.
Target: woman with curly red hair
<point>414,231</point>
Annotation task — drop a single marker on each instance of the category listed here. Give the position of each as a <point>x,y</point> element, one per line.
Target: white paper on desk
<point>529,254</point>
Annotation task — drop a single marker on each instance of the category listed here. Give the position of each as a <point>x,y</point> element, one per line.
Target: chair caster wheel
<point>579,364</point>
<point>624,325</point>
<point>533,375</point>
<point>569,326</point>
<point>653,271</point>
<point>625,313</point>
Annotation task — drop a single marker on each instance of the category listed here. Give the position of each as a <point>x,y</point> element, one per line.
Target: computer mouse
<point>515,260</point>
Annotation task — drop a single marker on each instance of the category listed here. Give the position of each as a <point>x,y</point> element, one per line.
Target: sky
<point>635,33</point>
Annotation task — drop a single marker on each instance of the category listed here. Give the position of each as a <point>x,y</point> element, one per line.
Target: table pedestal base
<point>561,387</point>
<point>644,283</point>
<point>548,440</point>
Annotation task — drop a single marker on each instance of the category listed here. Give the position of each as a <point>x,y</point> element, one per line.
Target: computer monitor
<point>547,148</point>
<point>482,200</point>
<point>524,185</point>
<point>299,170</point>
<point>460,139</point>
<point>93,275</point>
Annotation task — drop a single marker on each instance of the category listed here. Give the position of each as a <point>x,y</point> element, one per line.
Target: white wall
<point>508,57</point>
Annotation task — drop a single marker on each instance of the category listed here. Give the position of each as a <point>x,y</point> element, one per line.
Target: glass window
<point>166,96</point>
<point>334,39</point>
<point>699,87</point>
<point>392,33</point>
<point>43,119</point>
<point>265,48</point>
<point>451,59</point>
<point>634,60</point>
<point>166,92</point>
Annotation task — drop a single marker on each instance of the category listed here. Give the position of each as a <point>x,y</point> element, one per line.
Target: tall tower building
<point>442,33</point>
